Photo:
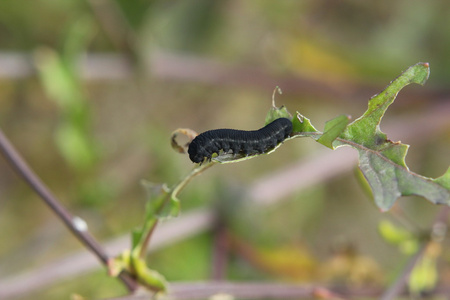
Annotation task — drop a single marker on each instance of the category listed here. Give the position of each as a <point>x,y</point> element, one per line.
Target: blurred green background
<point>90,92</point>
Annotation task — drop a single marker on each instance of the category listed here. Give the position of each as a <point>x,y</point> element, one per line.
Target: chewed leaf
<point>333,129</point>
<point>365,130</point>
<point>390,181</point>
<point>383,161</point>
<point>276,113</point>
<point>303,125</point>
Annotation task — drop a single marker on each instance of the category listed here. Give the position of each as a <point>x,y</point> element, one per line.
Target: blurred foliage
<point>111,134</point>
<point>407,242</point>
<point>60,77</point>
<point>424,277</point>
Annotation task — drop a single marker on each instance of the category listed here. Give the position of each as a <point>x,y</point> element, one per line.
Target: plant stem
<point>150,225</point>
<point>23,170</point>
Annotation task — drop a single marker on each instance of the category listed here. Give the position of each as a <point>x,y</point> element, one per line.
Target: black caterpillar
<point>239,141</point>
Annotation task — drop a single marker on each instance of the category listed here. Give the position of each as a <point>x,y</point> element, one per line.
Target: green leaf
<point>276,113</point>
<point>383,161</point>
<point>161,203</point>
<point>333,129</point>
<point>365,130</point>
<point>303,125</point>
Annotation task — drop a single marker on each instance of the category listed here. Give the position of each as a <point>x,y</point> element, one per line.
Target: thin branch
<point>77,264</point>
<point>75,224</point>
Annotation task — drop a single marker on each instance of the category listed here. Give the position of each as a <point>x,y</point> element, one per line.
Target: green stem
<point>150,225</point>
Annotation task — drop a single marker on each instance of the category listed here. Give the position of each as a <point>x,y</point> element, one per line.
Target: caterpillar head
<point>195,153</point>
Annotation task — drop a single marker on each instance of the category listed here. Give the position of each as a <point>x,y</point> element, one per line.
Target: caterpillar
<point>239,141</point>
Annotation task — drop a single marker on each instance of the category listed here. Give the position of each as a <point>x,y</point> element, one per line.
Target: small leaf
<point>161,203</point>
<point>303,125</point>
<point>276,113</point>
<point>333,129</point>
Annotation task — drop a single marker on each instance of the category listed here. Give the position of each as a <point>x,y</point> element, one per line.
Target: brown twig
<point>74,224</point>
<point>75,265</point>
